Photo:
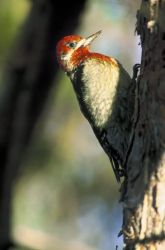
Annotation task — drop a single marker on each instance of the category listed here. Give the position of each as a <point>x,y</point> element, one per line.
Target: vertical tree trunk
<point>144,201</point>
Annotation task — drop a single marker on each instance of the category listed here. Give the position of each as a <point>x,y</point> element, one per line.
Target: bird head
<point>72,50</point>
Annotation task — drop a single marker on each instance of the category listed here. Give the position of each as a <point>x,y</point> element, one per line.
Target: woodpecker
<point>104,92</point>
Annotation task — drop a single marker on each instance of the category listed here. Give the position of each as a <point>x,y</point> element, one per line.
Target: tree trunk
<point>144,201</point>
<point>27,82</point>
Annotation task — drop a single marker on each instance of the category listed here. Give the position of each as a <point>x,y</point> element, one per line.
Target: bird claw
<point>136,68</point>
<point>122,173</point>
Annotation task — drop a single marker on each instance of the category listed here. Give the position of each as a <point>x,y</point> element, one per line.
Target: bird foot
<point>136,68</point>
<point>122,173</point>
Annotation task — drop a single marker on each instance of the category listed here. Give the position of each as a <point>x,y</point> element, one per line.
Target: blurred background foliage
<point>66,193</point>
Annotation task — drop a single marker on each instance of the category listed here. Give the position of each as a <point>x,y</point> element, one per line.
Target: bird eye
<point>72,45</point>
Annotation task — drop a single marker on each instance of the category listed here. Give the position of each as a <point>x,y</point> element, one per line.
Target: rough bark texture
<point>27,81</point>
<point>144,202</point>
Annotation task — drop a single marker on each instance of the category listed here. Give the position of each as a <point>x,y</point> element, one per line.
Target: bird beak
<point>87,41</point>
<point>90,39</point>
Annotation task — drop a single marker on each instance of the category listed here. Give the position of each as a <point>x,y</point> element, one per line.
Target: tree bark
<point>28,79</point>
<point>144,201</point>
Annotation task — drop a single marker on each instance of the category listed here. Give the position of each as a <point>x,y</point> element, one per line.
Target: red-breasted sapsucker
<point>104,92</point>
